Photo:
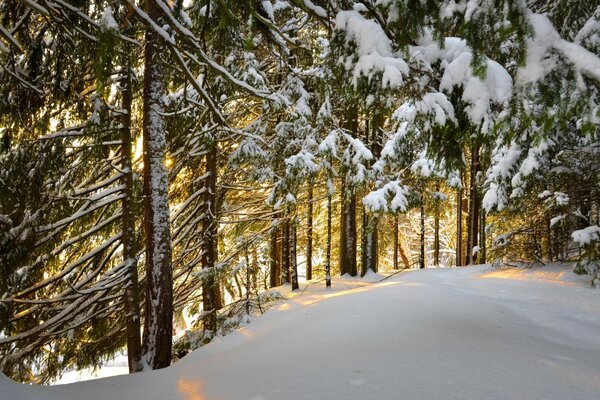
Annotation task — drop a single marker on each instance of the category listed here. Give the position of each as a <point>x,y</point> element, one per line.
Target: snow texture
<point>374,50</point>
<point>448,334</point>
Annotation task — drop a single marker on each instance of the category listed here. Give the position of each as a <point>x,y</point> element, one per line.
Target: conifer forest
<point>171,170</point>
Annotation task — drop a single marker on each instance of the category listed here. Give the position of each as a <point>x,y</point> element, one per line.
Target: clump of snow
<point>373,48</point>
<point>391,197</point>
<point>587,235</point>
<point>108,20</point>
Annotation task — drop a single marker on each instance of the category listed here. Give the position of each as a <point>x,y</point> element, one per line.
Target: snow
<point>448,333</point>
<point>586,235</point>
<point>108,21</point>
<point>374,50</point>
<point>542,49</point>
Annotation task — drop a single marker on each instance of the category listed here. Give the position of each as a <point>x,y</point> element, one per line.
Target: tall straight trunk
<point>158,323</point>
<point>348,209</point>
<point>436,231</point>
<point>363,241</point>
<point>473,228</point>
<point>131,293</point>
<point>293,253</point>
<point>370,247</point>
<point>211,293</point>
<point>275,261</point>
<point>396,241</point>
<point>350,234</point>
<point>372,232</point>
<point>328,249</point>
<point>482,240</point>
<point>285,252</point>
<point>459,234</point>
<point>248,288</point>
<point>422,236</point>
<point>309,233</point>
<point>343,243</point>
<point>255,268</point>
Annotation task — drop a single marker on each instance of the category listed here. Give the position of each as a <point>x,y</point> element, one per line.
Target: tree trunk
<point>473,229</point>
<point>328,250</point>
<point>131,292</point>
<point>348,209</point>
<point>293,258</point>
<point>343,243</point>
<point>350,236</point>
<point>285,252</point>
<point>459,234</point>
<point>370,246</point>
<point>211,293</point>
<point>158,323</point>
<point>248,281</point>
<point>482,241</point>
<point>436,230</point>
<point>275,262</point>
<point>422,249</point>
<point>309,232</point>
<point>396,242</point>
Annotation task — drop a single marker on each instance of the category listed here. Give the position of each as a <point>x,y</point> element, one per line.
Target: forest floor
<point>457,333</point>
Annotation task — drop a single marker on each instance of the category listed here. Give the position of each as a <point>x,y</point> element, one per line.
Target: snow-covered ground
<point>460,333</point>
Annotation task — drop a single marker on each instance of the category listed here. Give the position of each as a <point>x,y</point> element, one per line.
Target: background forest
<point>163,164</point>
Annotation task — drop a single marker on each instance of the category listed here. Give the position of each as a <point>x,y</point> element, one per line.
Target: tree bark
<point>328,250</point>
<point>482,240</point>
<point>371,246</point>
<point>158,323</point>
<point>350,234</point>
<point>473,228</point>
<point>348,209</point>
<point>459,234</point>
<point>211,293</point>
<point>285,252</point>
<point>436,230</point>
<point>309,232</point>
<point>131,292</point>
<point>275,262</point>
<point>396,241</point>
<point>293,258</point>
<point>422,236</point>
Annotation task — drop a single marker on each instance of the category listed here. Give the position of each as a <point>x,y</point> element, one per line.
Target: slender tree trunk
<point>482,241</point>
<point>285,252</point>
<point>293,258</point>
<point>372,220</point>
<point>422,249</point>
<point>248,280</point>
<point>350,215</point>
<point>348,210</point>
<point>158,323</point>
<point>328,250</point>
<point>211,293</point>
<point>363,242</point>
<point>370,244</point>
<point>275,255</point>
<point>131,292</point>
<point>473,231</point>
<point>459,234</point>
<point>309,232</point>
<point>436,230</point>
<point>255,268</point>
<point>396,242</point>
